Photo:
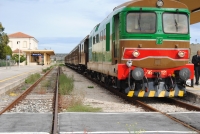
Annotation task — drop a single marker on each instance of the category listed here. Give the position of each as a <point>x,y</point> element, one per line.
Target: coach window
<point>97,38</point>
<point>175,23</point>
<point>82,47</point>
<point>141,22</point>
<point>93,40</point>
<point>101,36</point>
<point>104,37</point>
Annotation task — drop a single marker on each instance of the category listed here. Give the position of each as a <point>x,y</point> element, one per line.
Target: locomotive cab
<point>154,50</point>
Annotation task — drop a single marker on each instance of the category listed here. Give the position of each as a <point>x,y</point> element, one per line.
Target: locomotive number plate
<point>159,40</point>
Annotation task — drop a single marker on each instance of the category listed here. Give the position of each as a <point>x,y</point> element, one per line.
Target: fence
<point>4,63</point>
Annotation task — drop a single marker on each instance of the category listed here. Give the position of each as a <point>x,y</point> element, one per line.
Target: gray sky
<point>60,24</point>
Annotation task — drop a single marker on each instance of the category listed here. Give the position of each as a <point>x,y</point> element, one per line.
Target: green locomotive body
<point>142,49</point>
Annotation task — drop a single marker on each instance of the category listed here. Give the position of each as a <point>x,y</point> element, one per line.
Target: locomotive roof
<point>192,5</point>
<point>152,3</point>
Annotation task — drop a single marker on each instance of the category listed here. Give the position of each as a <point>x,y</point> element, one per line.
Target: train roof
<point>192,5</point>
<point>152,3</point>
<point>84,39</point>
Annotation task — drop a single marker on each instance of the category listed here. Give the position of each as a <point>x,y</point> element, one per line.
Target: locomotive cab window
<point>175,23</point>
<point>141,22</point>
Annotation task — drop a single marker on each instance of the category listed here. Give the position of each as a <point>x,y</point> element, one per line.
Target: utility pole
<point>18,42</point>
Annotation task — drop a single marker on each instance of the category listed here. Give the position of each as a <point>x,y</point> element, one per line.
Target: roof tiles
<point>19,35</point>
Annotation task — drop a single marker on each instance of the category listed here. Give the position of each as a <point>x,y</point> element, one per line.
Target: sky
<point>60,24</point>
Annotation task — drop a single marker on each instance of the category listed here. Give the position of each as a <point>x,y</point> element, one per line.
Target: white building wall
<point>25,43</point>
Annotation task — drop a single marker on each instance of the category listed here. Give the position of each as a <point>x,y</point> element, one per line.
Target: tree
<point>15,57</point>
<point>4,40</point>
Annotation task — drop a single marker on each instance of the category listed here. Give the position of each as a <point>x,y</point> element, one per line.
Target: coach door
<point>115,42</point>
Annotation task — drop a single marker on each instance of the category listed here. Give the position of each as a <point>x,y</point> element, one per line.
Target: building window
<point>25,44</point>
<point>11,44</point>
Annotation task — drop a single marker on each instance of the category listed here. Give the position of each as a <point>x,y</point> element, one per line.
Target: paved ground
<point>12,76</point>
<point>97,123</point>
<point>25,123</point>
<point>192,119</point>
<point>119,123</point>
<point>16,71</point>
<point>195,89</point>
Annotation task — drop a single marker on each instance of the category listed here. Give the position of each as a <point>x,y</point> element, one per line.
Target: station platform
<point>123,123</point>
<point>26,123</point>
<point>193,93</point>
<point>11,77</point>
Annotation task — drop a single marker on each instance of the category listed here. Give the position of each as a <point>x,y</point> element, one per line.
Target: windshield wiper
<point>139,19</point>
<point>176,25</point>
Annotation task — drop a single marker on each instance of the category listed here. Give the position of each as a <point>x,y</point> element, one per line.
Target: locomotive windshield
<point>141,22</point>
<point>175,23</point>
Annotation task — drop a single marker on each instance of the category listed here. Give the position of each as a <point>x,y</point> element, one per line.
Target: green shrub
<point>66,84</point>
<point>32,78</point>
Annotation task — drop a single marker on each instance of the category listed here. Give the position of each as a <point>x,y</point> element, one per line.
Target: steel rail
<point>169,116</point>
<point>24,94</point>
<point>55,105</point>
<point>142,104</point>
<point>182,104</point>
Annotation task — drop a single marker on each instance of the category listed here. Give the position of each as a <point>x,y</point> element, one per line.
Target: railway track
<point>27,93</point>
<point>149,108</point>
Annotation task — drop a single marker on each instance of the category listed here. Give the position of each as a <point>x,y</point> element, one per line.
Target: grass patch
<point>66,84</point>
<point>23,88</point>
<point>61,65</point>
<point>74,103</point>
<point>45,83</point>
<point>32,78</point>
<point>47,69</point>
<point>83,108</point>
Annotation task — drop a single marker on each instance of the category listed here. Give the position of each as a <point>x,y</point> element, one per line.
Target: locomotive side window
<point>175,23</point>
<point>141,22</point>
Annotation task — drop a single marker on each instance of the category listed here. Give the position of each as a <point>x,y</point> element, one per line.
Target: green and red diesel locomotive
<point>142,49</point>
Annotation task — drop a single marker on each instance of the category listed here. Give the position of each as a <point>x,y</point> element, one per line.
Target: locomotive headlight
<point>136,53</point>
<point>184,74</point>
<point>181,54</point>
<point>129,63</point>
<point>160,3</point>
<point>138,73</point>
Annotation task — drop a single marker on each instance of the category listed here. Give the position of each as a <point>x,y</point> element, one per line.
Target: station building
<point>27,45</point>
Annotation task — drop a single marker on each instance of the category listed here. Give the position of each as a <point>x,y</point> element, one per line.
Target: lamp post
<point>18,42</point>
